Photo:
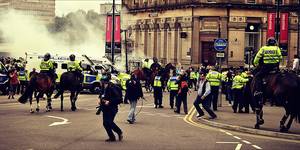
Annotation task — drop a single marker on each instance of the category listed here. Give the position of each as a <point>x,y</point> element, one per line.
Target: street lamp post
<point>277,21</point>
<point>113,34</point>
<point>126,51</point>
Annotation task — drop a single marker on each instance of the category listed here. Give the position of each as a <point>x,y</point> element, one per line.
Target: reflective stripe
<point>157,82</point>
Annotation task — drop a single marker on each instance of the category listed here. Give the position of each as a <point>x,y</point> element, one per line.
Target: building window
<point>251,1</point>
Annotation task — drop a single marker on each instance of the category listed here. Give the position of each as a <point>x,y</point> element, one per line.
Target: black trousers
<point>158,95</point>
<point>182,98</point>
<point>109,124</point>
<point>173,95</point>
<point>214,97</point>
<point>206,105</point>
<point>238,102</point>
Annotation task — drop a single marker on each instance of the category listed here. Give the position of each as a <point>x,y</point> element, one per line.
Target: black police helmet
<point>47,56</point>
<point>72,57</point>
<point>271,41</point>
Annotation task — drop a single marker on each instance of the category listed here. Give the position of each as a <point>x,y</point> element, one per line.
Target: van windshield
<point>2,69</point>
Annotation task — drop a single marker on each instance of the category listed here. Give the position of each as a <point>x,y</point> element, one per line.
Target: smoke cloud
<point>78,32</point>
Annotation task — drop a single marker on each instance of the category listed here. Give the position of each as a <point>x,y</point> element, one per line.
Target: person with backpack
<point>203,96</point>
<point>109,99</point>
<point>182,94</point>
<point>134,92</point>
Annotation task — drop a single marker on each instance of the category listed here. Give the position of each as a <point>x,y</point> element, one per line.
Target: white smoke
<point>23,33</point>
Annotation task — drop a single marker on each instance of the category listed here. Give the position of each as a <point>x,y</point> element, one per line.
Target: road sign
<point>220,55</point>
<point>220,45</point>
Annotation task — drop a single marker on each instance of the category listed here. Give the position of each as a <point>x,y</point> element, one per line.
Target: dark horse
<point>284,87</point>
<point>69,81</point>
<point>42,84</point>
<point>149,77</point>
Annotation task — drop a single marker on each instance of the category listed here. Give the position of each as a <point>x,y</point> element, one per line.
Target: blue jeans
<point>206,105</point>
<point>131,115</point>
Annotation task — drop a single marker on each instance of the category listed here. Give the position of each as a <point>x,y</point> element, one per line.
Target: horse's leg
<point>38,101</point>
<point>75,99</point>
<point>259,117</point>
<point>62,101</point>
<point>49,107</point>
<point>72,99</point>
<point>283,120</point>
<point>288,126</point>
<point>30,102</point>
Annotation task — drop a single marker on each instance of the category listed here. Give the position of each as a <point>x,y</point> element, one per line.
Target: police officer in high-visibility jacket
<point>192,78</point>
<point>173,88</point>
<point>158,90</point>
<point>214,78</point>
<point>267,59</point>
<point>22,74</point>
<point>237,89</point>
<point>74,66</point>
<point>47,67</point>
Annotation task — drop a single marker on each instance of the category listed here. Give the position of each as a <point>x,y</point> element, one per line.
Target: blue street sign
<point>220,45</point>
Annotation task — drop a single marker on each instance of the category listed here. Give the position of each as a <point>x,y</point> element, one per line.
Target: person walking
<point>214,78</point>
<point>182,94</point>
<point>13,83</point>
<point>134,92</point>
<point>203,96</point>
<point>109,100</point>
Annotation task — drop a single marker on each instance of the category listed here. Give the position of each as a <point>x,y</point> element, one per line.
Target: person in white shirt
<point>203,96</point>
<point>296,63</point>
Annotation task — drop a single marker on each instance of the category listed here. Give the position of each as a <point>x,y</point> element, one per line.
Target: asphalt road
<point>154,129</point>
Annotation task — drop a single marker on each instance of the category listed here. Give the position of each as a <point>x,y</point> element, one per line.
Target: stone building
<point>183,31</point>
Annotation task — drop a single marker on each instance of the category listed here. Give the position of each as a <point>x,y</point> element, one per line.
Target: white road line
<point>238,147</point>
<point>237,137</point>
<point>228,133</point>
<point>65,121</point>
<point>247,142</point>
<point>222,130</point>
<point>227,142</point>
<point>257,147</point>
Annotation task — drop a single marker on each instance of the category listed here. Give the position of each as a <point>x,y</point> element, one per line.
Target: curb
<point>249,130</point>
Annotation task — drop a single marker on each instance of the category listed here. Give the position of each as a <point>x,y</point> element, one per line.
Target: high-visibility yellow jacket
<point>238,82</point>
<point>172,83</point>
<point>74,65</point>
<point>46,65</point>
<point>157,81</point>
<point>214,78</point>
<point>269,54</point>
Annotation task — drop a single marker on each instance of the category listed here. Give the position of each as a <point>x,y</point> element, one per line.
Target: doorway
<point>208,53</point>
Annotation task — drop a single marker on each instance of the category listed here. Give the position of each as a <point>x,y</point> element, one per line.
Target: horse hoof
<point>31,111</point>
<point>73,108</point>
<point>37,110</point>
<point>283,129</point>
<point>61,110</point>
<point>256,126</point>
<point>261,122</point>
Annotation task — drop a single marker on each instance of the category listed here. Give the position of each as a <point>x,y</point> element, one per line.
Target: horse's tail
<point>27,93</point>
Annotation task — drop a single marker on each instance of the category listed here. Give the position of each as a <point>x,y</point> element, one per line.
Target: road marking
<point>237,137</point>
<point>257,147</point>
<point>228,133</point>
<point>227,142</point>
<point>65,121</point>
<point>238,147</point>
<point>247,142</point>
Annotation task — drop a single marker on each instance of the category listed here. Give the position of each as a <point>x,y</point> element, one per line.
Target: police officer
<point>173,88</point>
<point>155,66</point>
<point>109,107</point>
<point>22,74</point>
<point>192,78</point>
<point>74,67</point>
<point>267,59</point>
<point>214,78</point>
<point>158,90</point>
<point>47,67</point>
<point>237,87</point>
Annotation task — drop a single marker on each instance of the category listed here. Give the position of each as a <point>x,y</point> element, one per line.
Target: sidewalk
<point>244,122</point>
<point>5,100</point>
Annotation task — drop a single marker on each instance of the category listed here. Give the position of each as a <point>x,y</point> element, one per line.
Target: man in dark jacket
<point>109,100</point>
<point>134,92</point>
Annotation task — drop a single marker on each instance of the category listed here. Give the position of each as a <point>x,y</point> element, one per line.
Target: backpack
<point>117,92</point>
<point>184,87</point>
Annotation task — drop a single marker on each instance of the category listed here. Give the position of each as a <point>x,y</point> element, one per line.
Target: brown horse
<point>283,87</point>
<point>42,84</point>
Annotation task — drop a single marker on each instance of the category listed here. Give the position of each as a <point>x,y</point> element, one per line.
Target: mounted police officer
<point>267,59</point>
<point>155,66</point>
<point>47,67</point>
<point>74,67</point>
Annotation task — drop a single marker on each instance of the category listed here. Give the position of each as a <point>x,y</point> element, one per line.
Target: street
<point>154,129</point>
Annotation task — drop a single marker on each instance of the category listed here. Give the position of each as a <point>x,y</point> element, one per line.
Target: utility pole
<point>126,52</point>
<point>113,34</point>
<point>277,22</point>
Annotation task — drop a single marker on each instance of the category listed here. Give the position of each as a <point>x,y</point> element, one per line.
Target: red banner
<point>284,28</point>
<point>271,25</point>
<point>117,29</point>
<point>108,28</point>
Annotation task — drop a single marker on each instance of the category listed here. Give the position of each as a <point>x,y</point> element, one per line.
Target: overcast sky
<point>66,6</point>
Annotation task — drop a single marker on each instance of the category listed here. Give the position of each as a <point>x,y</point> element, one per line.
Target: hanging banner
<point>271,25</point>
<point>284,28</point>
<point>108,28</point>
<point>118,29</point>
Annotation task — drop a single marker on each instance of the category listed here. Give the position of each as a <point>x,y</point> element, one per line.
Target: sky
<point>66,6</point>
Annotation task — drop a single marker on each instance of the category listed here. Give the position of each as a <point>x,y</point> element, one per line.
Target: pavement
<point>154,129</point>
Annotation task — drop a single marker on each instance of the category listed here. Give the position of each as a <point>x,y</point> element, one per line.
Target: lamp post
<point>277,21</point>
<point>113,34</point>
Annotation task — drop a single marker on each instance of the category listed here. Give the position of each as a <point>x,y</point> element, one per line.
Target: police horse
<point>42,84</point>
<point>69,81</point>
<point>284,87</point>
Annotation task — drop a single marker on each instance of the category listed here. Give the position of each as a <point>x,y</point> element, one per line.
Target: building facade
<point>43,10</point>
<point>183,31</point>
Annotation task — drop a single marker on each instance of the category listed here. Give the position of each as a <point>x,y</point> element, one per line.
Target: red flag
<point>271,25</point>
<point>284,28</point>
<point>108,28</point>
